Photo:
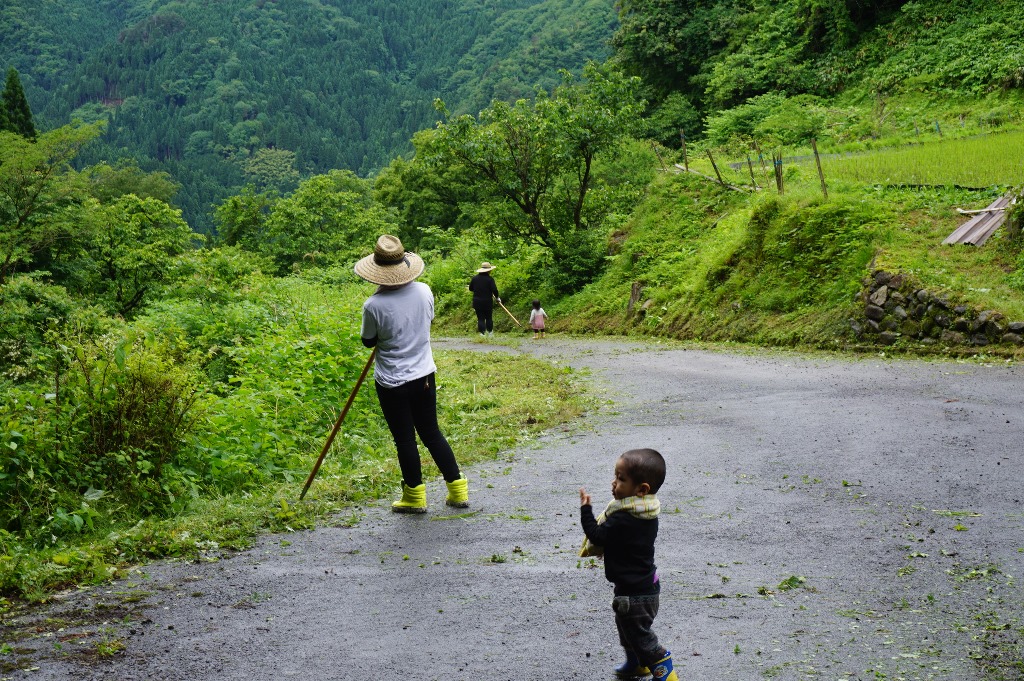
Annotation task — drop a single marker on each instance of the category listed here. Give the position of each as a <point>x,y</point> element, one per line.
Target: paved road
<point>887,494</point>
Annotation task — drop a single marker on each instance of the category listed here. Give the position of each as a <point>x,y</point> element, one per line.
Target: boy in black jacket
<point>624,533</point>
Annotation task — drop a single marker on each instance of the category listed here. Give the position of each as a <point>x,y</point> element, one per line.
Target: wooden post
<point>750,165</point>
<point>682,138</point>
<point>777,162</point>
<point>821,175</point>
<point>938,129</point>
<point>760,158</point>
<point>634,297</point>
<point>715,166</point>
<point>654,145</point>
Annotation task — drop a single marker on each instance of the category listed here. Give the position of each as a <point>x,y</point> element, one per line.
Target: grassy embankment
<point>715,264</point>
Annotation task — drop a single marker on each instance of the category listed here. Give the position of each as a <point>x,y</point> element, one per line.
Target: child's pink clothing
<point>537,317</point>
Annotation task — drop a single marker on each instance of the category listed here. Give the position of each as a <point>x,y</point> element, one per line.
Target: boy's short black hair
<point>645,465</point>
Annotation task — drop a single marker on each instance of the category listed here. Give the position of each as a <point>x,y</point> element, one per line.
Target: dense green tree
<point>39,192</point>
<point>532,162</point>
<point>328,218</point>
<point>272,169</point>
<point>240,219</point>
<point>107,182</point>
<point>133,243</point>
<point>16,115</point>
<point>425,197</point>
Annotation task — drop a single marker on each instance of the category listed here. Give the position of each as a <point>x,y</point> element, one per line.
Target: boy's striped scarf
<point>646,508</point>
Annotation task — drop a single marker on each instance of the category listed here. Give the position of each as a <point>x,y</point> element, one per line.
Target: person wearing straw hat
<point>485,292</point>
<point>396,320</point>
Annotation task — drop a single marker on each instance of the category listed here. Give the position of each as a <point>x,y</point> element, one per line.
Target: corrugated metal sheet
<point>979,228</point>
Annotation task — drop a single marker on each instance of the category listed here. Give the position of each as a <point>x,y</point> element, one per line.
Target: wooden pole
<point>760,159</point>
<point>510,314</point>
<point>750,165</point>
<point>777,162</point>
<point>821,175</point>
<point>337,425</point>
<point>715,166</point>
<point>654,145</point>
<point>686,162</point>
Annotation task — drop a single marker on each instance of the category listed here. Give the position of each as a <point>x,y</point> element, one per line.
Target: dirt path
<point>826,518</point>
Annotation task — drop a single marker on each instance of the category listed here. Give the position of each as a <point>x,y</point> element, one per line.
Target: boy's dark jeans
<point>634,616</point>
<point>409,409</point>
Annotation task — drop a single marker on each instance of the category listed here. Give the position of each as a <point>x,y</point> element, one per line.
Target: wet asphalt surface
<point>823,518</point>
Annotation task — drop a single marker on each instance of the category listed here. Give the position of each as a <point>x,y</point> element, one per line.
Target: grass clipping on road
<point>487,404</point>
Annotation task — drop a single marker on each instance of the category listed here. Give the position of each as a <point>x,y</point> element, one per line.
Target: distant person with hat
<point>396,320</point>
<point>485,292</point>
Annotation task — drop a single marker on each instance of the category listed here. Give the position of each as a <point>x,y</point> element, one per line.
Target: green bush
<point>107,436</point>
<point>287,385</point>
<point>772,119</point>
<point>34,315</point>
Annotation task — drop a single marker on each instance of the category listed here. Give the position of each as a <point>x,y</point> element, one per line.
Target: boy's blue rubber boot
<point>631,668</point>
<point>663,669</point>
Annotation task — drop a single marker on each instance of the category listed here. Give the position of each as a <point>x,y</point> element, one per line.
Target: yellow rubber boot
<point>458,493</point>
<point>414,500</point>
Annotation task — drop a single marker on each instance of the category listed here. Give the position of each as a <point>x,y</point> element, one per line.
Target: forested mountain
<point>702,57</point>
<point>261,92</point>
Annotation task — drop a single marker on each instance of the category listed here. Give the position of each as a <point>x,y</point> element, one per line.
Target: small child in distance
<point>537,317</point>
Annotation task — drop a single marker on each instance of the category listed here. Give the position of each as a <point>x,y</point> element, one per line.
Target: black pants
<point>634,616</point>
<point>484,320</point>
<point>409,409</point>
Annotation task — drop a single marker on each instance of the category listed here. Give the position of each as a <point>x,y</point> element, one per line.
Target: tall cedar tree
<point>15,115</point>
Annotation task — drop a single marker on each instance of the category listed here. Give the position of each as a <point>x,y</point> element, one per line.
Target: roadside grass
<point>487,405</point>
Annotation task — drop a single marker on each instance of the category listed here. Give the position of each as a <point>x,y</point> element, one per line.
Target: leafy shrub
<point>132,412</point>
<point>740,122</point>
<point>287,385</point>
<point>675,113</point>
<point>771,118</point>
<point>215,275</point>
<point>34,316</point>
<point>112,428</point>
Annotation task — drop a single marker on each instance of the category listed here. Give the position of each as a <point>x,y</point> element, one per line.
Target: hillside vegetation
<point>265,93</point>
<point>166,375</point>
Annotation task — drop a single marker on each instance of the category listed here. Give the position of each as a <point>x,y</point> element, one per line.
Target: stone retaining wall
<point>894,309</point>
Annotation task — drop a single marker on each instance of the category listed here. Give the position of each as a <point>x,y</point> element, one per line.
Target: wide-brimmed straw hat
<point>389,264</point>
<point>485,267</point>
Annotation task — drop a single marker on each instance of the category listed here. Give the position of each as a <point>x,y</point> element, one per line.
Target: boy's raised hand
<point>584,497</point>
